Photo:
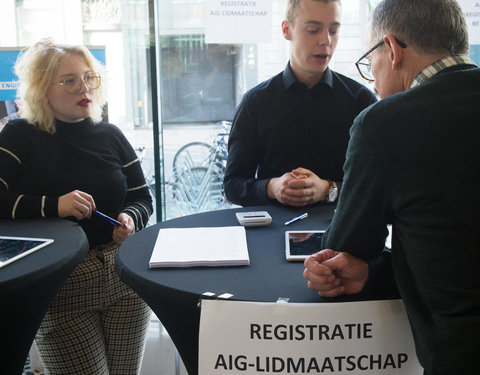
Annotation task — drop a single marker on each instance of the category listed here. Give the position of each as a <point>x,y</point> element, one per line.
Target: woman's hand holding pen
<point>122,232</point>
<point>80,205</point>
<point>76,203</point>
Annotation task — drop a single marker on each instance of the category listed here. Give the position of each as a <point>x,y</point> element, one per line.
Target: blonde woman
<point>61,160</point>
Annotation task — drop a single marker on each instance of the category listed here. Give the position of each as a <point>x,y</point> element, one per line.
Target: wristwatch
<point>332,193</point>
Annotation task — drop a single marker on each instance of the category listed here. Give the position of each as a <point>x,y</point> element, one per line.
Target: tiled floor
<point>160,356</point>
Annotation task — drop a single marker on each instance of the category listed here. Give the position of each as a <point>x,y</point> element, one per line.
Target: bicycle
<point>198,170</point>
<point>201,154</point>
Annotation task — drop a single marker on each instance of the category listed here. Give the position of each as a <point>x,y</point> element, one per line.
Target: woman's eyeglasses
<point>73,84</point>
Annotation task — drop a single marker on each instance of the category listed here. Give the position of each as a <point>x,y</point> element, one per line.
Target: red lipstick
<point>85,102</point>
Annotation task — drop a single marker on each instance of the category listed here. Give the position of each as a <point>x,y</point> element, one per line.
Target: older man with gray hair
<point>413,162</point>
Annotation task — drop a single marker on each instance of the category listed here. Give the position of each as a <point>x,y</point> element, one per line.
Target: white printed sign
<point>238,21</point>
<point>471,9</point>
<point>371,337</point>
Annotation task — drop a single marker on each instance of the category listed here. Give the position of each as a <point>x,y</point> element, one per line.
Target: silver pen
<point>300,217</point>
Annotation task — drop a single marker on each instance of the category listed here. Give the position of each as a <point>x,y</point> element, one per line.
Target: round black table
<point>29,285</point>
<point>174,293</point>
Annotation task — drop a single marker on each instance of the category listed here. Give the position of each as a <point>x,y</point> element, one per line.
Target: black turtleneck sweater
<point>36,168</point>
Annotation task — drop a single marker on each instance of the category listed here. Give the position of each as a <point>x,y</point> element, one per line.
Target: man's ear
<point>395,52</point>
<point>286,30</point>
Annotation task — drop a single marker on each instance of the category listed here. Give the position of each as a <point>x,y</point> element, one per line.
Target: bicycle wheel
<point>198,189</point>
<point>194,154</point>
<point>189,189</point>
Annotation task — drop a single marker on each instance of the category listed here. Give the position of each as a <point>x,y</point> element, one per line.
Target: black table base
<point>29,285</point>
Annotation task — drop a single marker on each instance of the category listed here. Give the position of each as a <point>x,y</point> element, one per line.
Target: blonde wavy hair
<point>36,68</point>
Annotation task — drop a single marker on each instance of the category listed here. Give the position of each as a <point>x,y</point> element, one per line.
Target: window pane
<point>197,79</point>
<point>202,84</point>
<point>120,28</point>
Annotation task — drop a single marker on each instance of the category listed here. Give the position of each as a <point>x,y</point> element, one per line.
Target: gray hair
<point>429,26</point>
<point>293,5</point>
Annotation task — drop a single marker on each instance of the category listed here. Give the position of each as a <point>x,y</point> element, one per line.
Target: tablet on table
<point>13,248</point>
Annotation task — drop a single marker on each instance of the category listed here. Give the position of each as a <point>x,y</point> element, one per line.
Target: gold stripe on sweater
<point>129,164</point>
<point>42,209</point>
<point>11,154</point>
<point>16,205</point>
<point>4,182</point>
<point>137,187</point>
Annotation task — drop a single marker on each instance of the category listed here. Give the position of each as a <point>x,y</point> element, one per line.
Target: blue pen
<point>300,217</point>
<point>108,218</point>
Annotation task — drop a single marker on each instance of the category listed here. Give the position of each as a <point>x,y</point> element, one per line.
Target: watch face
<point>333,195</point>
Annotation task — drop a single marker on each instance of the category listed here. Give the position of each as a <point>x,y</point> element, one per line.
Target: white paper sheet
<point>204,246</point>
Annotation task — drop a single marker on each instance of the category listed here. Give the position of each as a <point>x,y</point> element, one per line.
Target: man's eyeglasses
<point>73,84</point>
<point>364,64</point>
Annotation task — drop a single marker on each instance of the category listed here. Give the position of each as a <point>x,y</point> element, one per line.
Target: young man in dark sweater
<point>290,133</point>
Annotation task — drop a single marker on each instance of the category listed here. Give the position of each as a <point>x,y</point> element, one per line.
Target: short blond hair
<point>293,5</point>
<point>36,68</point>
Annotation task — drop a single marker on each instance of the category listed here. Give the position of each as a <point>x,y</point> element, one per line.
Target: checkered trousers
<point>96,324</point>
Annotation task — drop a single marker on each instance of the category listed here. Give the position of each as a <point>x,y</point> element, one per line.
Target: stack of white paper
<point>187,247</point>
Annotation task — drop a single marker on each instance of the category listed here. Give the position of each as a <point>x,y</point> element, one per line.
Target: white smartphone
<point>300,244</point>
<point>254,219</point>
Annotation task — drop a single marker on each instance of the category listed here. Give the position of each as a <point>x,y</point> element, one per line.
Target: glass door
<point>200,85</point>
